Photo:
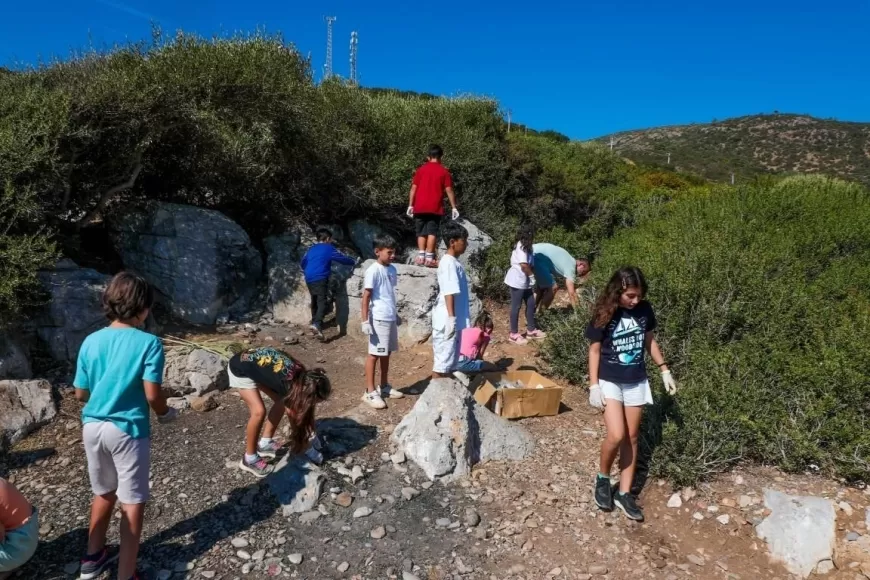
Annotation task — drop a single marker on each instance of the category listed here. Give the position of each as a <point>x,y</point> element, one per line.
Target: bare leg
<point>131,530</point>
<point>421,243</point>
<point>385,369</point>
<point>257,411</point>
<point>628,448</point>
<point>371,363</point>
<point>101,516</point>
<point>614,420</point>
<point>430,244</point>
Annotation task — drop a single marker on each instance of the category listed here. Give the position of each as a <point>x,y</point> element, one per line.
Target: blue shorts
<point>20,544</point>
<point>467,365</point>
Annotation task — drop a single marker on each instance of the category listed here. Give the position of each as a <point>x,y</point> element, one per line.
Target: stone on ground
<point>195,373</point>
<point>800,531</point>
<point>447,432</point>
<point>24,406</point>
<point>297,484</point>
<point>14,361</point>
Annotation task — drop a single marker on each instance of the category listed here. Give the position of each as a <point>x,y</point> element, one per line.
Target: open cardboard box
<point>529,401</point>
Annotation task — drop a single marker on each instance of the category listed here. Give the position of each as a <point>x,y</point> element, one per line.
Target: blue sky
<point>582,68</point>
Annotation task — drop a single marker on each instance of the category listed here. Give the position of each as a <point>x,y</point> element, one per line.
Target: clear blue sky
<point>582,68</point>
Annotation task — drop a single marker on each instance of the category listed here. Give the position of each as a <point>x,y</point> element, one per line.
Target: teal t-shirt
<point>112,364</point>
<point>559,259</point>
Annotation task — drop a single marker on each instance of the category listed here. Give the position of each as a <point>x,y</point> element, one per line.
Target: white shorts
<point>629,394</point>
<point>117,462</point>
<point>240,382</point>
<point>384,338</point>
<point>445,350</point>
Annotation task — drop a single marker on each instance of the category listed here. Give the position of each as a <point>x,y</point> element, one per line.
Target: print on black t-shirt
<point>266,366</point>
<point>622,344</point>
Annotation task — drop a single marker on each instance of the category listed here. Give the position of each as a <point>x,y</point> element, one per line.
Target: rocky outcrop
<point>24,406</point>
<point>195,373</point>
<point>14,360</point>
<point>74,310</point>
<point>800,531</point>
<point>202,263</point>
<point>363,235</point>
<point>417,292</point>
<point>447,432</point>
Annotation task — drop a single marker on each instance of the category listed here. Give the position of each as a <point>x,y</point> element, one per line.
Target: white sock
<point>251,458</point>
<point>264,441</point>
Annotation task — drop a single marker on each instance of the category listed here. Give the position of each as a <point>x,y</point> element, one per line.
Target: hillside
<point>754,145</point>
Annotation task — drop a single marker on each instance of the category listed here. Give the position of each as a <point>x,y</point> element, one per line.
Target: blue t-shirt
<point>112,364</point>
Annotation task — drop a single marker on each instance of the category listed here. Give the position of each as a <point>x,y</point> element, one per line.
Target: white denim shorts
<point>240,382</point>
<point>629,394</point>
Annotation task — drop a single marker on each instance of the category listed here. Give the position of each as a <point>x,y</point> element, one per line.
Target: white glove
<point>168,417</point>
<point>367,328</point>
<point>532,281</point>
<point>454,214</point>
<point>670,383</point>
<point>410,212</point>
<point>596,397</point>
<point>450,328</point>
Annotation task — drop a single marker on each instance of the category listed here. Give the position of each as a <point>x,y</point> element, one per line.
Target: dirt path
<point>207,519</point>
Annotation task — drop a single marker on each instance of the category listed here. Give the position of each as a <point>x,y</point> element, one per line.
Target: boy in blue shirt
<point>118,376</point>
<point>317,265</point>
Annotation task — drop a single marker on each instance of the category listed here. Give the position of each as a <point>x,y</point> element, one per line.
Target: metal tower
<point>327,68</point>
<point>354,41</point>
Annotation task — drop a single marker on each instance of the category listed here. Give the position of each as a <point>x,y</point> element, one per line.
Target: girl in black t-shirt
<point>620,331</point>
<point>294,390</point>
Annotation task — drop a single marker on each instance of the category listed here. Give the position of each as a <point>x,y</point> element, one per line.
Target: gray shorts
<point>384,338</point>
<point>117,462</point>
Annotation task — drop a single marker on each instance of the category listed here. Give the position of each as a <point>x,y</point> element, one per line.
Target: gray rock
<point>24,407</point>
<point>295,558</point>
<point>409,493</point>
<point>297,484</point>
<point>14,360</point>
<point>824,567</point>
<point>378,532</point>
<point>309,517</point>
<point>478,241</point>
<point>194,373</point>
<point>800,531</point>
<point>447,432</point>
<point>74,310</point>
<point>852,536</point>
<point>472,518</point>
<point>362,512</point>
<point>442,522</point>
<point>239,543</point>
<point>343,567</point>
<point>201,262</point>
<point>363,234</point>
<point>408,576</point>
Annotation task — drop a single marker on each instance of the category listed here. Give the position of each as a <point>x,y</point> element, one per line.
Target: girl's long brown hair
<point>608,301</point>
<point>307,389</point>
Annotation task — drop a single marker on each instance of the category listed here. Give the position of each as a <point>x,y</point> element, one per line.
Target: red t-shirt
<point>431,180</point>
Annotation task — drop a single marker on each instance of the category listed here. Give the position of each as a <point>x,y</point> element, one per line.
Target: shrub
<point>763,298</point>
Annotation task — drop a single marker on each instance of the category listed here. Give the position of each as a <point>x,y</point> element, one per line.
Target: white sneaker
<point>388,391</point>
<point>374,400</point>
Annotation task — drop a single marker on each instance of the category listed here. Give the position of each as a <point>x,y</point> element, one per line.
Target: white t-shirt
<point>382,281</point>
<point>452,280</point>
<point>515,277</point>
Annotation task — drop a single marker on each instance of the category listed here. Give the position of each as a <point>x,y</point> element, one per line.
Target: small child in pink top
<point>472,346</point>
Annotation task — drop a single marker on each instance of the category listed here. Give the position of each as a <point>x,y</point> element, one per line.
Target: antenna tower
<point>354,41</point>
<point>327,68</point>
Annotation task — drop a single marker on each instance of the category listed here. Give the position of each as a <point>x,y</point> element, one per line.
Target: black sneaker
<point>93,567</point>
<point>603,493</point>
<point>628,504</point>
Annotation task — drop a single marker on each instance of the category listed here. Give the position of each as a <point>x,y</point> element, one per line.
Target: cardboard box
<point>529,401</point>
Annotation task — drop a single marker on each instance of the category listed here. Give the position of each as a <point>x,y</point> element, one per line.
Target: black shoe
<point>603,493</point>
<point>628,504</point>
<point>91,568</point>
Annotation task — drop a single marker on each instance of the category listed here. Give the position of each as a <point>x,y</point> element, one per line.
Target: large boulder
<point>800,531</point>
<point>195,373</point>
<point>201,262</point>
<point>447,432</point>
<point>478,241</point>
<point>24,406</point>
<point>296,483</point>
<point>417,293</point>
<point>14,360</point>
<point>74,311</point>
<point>363,235</point>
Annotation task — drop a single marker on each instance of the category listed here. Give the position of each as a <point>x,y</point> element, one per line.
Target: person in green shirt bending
<point>549,260</point>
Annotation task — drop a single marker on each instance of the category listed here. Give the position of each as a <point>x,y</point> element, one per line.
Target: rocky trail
<point>380,517</point>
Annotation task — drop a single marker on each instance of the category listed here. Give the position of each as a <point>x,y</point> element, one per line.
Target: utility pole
<point>611,144</point>
<point>732,178</point>
<point>354,41</point>
<point>509,120</point>
<point>327,68</point>
<point>669,158</point>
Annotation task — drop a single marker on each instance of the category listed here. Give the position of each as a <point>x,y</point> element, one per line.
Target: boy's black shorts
<point>427,224</point>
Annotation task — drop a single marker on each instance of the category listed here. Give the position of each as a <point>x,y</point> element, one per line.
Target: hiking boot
<point>389,392</point>
<point>517,339</point>
<point>536,334</point>
<point>258,467</point>
<point>269,450</point>
<point>93,566</point>
<point>603,493</point>
<point>628,504</point>
<point>374,400</point>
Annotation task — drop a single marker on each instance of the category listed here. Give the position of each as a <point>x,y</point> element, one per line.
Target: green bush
<point>763,298</point>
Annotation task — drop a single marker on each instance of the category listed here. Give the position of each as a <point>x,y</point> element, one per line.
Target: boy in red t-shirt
<point>431,182</point>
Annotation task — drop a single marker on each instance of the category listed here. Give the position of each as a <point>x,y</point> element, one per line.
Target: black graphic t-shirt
<point>622,358</point>
<point>266,366</point>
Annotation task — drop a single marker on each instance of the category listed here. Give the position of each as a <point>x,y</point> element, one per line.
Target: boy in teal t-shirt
<point>118,376</point>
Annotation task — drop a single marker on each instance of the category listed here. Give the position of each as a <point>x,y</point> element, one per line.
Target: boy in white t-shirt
<point>380,319</point>
<point>452,313</point>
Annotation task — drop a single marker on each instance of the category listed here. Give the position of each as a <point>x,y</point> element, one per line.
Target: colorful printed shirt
<point>622,344</point>
<point>267,366</point>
